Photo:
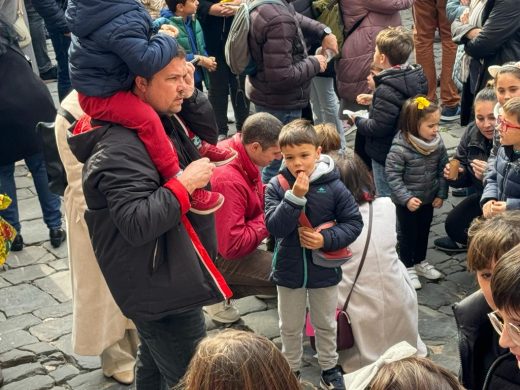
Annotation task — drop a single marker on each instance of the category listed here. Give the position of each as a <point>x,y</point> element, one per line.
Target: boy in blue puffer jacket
<point>317,189</point>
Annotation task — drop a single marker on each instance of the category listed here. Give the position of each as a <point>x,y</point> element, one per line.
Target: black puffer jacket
<point>284,69</point>
<point>472,145</point>
<point>411,173</point>
<point>393,87</point>
<point>327,200</point>
<point>143,248</point>
<point>499,40</point>
<point>478,342</point>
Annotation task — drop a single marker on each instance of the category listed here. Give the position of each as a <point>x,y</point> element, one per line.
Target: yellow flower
<point>422,103</point>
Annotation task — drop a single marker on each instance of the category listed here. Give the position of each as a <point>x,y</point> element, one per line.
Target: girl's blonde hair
<point>328,137</point>
<point>238,360</point>
<point>413,113</point>
<point>512,107</point>
<point>414,373</point>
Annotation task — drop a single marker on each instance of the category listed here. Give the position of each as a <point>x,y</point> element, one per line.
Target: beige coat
<point>97,321</point>
<point>383,307</point>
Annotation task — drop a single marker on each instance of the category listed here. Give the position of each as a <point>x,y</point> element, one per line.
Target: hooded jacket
<point>136,225</point>
<point>393,87</point>
<point>412,174</point>
<point>327,200</point>
<point>112,43</point>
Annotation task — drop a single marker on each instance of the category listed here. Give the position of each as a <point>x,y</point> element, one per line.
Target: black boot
<point>17,244</point>
<point>57,236</point>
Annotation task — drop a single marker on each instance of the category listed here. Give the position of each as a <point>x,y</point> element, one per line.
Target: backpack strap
<point>67,115</point>
<point>302,219</point>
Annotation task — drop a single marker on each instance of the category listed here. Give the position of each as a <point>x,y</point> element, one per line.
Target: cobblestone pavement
<point>36,311</point>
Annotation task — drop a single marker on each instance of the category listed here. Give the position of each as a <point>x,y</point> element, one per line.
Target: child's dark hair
<point>413,113</point>
<point>512,107</point>
<point>396,43</point>
<point>328,137</point>
<point>172,4</point>
<point>486,95</point>
<point>298,132</point>
<point>263,128</point>
<point>505,282</point>
<point>356,176</point>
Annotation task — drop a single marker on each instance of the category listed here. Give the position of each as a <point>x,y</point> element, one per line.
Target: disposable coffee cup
<point>454,169</point>
<point>328,54</point>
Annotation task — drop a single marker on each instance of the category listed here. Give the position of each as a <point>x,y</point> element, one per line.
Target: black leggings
<point>458,220</point>
<point>413,238</point>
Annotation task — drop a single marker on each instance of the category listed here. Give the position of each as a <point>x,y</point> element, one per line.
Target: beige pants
<point>120,356</point>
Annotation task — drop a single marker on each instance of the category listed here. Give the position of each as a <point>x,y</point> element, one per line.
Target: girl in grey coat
<point>414,167</point>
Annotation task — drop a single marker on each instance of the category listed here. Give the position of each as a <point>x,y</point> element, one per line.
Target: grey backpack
<point>237,48</point>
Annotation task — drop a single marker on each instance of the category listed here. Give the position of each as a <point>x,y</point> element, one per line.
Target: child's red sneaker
<point>205,202</point>
<point>218,156</point>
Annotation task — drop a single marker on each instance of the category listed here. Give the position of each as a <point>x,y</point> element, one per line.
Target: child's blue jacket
<point>327,200</point>
<point>112,43</point>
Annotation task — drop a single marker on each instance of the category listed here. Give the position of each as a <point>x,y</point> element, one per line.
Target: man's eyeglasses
<point>499,325</point>
<point>502,123</point>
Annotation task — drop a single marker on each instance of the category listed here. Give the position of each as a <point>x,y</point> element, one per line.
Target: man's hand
<point>301,185</point>
<point>437,203</point>
<point>493,207</point>
<point>168,29</point>
<point>330,42</point>
<point>364,98</point>
<point>219,9</point>
<point>208,62</point>
<point>323,62</point>
<point>196,175</point>
<point>479,168</point>
<point>413,204</point>
<point>473,33</point>
<point>309,238</point>
<point>446,171</point>
<point>189,80</point>
<point>464,17</point>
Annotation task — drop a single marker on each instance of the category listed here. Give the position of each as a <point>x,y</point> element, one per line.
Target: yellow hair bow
<point>421,102</point>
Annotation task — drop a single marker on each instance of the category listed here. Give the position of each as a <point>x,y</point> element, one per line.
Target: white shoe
<point>427,270</point>
<point>224,312</point>
<point>416,283</point>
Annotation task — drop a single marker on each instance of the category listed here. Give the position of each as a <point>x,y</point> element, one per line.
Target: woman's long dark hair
<point>356,176</point>
<point>8,35</point>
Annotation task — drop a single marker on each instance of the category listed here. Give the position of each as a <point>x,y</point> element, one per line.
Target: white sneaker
<point>427,270</point>
<point>412,273</point>
<point>224,312</point>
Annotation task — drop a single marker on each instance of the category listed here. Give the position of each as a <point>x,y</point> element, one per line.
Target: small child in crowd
<point>328,138</point>
<point>502,191</point>
<point>190,36</point>
<point>414,168</point>
<point>316,187</point>
<point>366,98</point>
<point>397,82</point>
<point>105,56</point>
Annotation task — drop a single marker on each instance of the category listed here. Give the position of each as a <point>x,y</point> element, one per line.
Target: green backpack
<point>330,15</point>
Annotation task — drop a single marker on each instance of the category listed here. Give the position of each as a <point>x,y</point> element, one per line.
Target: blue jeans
<point>284,116</point>
<point>49,202</point>
<point>166,348</point>
<point>61,45</point>
<point>325,105</point>
<point>380,181</point>
<point>37,29</point>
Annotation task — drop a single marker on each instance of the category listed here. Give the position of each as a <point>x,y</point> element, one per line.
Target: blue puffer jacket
<point>111,44</point>
<point>327,200</point>
<point>503,179</point>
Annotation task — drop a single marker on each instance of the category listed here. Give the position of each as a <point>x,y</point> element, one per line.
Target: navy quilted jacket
<point>111,44</point>
<point>327,200</point>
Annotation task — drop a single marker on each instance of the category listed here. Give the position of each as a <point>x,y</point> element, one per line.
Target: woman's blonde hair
<point>414,373</point>
<point>328,137</point>
<point>238,360</point>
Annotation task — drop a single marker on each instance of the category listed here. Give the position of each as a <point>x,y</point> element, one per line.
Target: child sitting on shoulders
<point>317,191</point>
<point>190,36</point>
<point>502,190</point>
<point>414,168</point>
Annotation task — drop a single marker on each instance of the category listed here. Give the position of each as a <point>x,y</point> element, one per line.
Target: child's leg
<point>322,302</point>
<point>291,310</point>
<point>424,220</point>
<point>408,224</point>
<point>382,187</point>
<point>141,117</point>
<point>218,156</point>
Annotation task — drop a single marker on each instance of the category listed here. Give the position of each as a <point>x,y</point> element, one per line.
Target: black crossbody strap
<point>67,115</point>
<point>370,212</point>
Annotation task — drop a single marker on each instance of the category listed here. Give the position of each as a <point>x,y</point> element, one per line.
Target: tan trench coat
<point>97,321</point>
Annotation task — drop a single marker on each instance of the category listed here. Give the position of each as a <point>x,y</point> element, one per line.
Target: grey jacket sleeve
<point>394,167</point>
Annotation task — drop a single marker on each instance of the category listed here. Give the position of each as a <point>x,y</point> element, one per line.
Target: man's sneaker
<point>49,76</point>
<point>332,379</point>
<point>412,273</point>
<point>57,236</point>
<point>450,114</point>
<point>205,202</point>
<point>223,312</point>
<point>17,244</point>
<point>427,270</point>
<point>459,192</point>
<point>218,156</point>
<point>447,245</point>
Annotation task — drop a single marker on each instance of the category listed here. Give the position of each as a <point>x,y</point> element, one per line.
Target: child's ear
<point>318,152</point>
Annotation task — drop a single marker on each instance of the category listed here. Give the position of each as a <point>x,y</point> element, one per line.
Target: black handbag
<point>55,170</point>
